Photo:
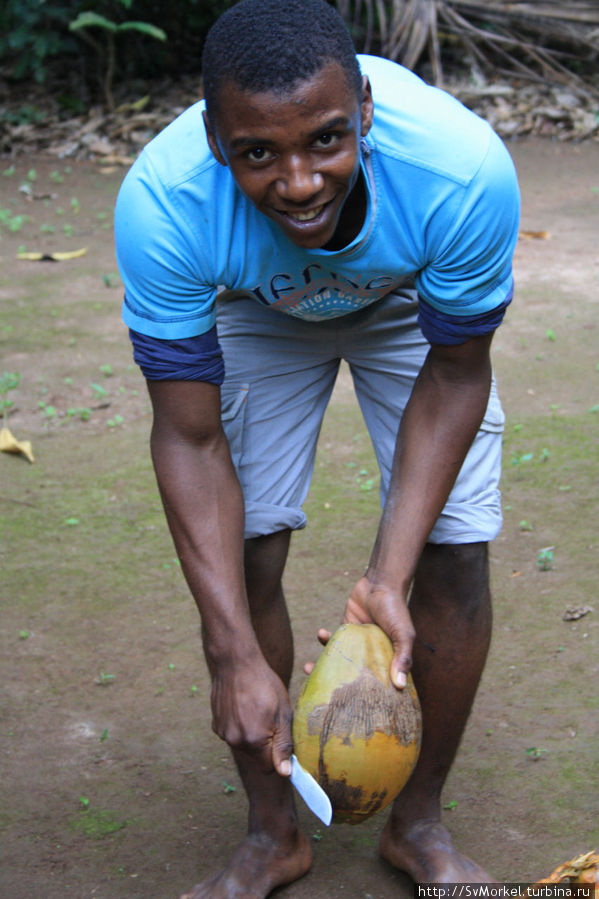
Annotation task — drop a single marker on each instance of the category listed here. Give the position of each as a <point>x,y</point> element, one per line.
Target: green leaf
<point>144,28</point>
<point>90,20</point>
<point>535,753</point>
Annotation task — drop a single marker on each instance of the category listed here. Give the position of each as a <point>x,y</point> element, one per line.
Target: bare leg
<point>274,852</point>
<point>451,610</point>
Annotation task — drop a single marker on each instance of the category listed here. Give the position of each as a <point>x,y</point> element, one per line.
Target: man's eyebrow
<point>239,143</point>
<point>340,121</point>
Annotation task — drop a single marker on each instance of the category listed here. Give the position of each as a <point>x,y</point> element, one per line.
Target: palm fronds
<point>538,40</point>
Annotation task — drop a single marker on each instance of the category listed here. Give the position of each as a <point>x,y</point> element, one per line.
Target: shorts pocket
<point>233,406</point>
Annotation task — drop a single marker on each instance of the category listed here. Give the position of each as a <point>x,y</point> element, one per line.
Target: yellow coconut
<point>356,733</point>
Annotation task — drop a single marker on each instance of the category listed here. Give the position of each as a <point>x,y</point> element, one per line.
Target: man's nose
<point>298,182</point>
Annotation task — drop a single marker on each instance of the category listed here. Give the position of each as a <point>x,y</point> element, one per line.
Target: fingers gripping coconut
<point>383,606</point>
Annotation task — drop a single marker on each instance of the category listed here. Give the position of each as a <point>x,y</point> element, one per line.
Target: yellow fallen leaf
<point>534,235</point>
<point>9,444</point>
<point>115,159</point>
<point>52,257</point>
<point>135,106</point>
<point>70,254</point>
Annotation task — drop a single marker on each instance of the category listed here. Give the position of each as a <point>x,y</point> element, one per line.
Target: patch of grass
<point>98,823</point>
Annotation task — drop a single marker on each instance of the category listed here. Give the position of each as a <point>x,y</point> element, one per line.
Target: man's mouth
<point>308,215</point>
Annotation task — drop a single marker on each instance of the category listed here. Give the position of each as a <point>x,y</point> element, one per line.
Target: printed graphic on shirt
<point>316,293</point>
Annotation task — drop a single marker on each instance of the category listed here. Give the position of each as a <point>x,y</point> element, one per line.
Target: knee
<point>455,574</point>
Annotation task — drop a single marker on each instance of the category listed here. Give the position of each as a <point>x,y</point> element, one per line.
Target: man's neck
<point>351,218</point>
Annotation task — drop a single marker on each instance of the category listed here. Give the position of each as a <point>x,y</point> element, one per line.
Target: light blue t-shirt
<point>442,214</point>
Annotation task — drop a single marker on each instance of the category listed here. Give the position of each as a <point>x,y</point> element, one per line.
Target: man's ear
<point>212,141</point>
<point>366,107</point>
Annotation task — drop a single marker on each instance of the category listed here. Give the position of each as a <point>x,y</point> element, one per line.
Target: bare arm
<point>204,508</point>
<point>440,422</point>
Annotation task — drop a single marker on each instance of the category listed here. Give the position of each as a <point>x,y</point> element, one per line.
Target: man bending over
<point>317,207</point>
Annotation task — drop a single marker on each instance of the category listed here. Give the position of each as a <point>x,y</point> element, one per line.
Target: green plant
<point>24,115</point>
<point>9,380</point>
<point>545,559</point>
<point>107,50</point>
<point>518,458</point>
<point>81,412</point>
<point>12,222</point>
<point>31,33</point>
<point>98,391</point>
<point>535,753</point>
<point>48,412</point>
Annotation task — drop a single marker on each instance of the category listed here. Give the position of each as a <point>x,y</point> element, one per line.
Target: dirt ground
<point>113,785</point>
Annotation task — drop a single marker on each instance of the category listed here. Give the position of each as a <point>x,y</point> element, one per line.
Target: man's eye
<point>258,154</point>
<point>327,139</point>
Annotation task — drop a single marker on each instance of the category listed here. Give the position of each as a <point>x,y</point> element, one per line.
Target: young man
<point>320,208</point>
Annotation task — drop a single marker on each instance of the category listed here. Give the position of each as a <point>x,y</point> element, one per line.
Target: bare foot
<point>257,866</point>
<point>425,851</point>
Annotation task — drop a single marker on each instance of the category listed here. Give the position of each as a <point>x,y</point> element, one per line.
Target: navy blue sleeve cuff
<point>451,330</point>
<point>189,359</point>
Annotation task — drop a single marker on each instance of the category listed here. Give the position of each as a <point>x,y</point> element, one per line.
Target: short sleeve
<point>168,293</point>
<point>470,247</point>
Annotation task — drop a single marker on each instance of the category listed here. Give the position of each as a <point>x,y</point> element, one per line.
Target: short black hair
<point>272,45</point>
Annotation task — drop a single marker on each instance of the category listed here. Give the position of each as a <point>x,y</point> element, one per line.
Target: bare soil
<point>113,783</point>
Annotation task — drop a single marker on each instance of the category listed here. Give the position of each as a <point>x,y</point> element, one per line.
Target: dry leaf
<point>53,257</point>
<point>534,235</point>
<point>117,160</point>
<point>573,613</point>
<point>9,444</point>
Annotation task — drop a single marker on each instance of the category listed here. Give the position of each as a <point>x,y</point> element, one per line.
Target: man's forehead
<point>330,75</point>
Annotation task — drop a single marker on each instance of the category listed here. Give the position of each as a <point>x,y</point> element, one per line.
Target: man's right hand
<point>204,508</point>
<point>252,713</point>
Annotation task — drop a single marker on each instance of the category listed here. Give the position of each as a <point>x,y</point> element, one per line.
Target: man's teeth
<point>308,215</point>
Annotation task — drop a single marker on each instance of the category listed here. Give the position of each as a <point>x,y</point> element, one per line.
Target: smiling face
<point>296,155</point>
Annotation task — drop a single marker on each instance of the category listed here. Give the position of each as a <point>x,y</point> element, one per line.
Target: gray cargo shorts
<point>279,375</point>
